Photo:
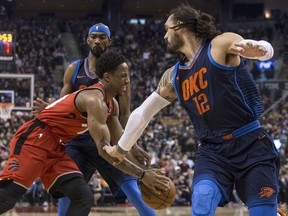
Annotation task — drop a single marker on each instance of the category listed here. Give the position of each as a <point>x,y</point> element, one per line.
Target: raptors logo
<point>13,166</point>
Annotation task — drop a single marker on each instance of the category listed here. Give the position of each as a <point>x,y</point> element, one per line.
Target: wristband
<point>270,51</point>
<point>120,150</point>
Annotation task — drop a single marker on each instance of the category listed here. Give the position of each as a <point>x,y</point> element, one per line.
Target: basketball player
<point>37,150</point>
<point>82,149</point>
<point>218,92</point>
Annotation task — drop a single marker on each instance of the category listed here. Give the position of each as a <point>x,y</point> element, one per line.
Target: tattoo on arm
<point>166,79</point>
<point>125,166</point>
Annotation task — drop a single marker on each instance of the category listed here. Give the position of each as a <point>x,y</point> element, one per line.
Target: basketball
<point>161,201</point>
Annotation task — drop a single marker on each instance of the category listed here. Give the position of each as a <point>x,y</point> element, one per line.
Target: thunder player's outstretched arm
<point>92,103</point>
<point>140,117</point>
<point>227,48</point>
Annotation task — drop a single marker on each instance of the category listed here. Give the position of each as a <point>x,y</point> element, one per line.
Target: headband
<point>99,27</point>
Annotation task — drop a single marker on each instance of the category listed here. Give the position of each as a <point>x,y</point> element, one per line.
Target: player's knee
<point>79,193</point>
<point>88,201</point>
<point>86,198</point>
<point>205,199</point>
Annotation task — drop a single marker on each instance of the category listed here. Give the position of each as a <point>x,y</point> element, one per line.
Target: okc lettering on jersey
<point>191,88</point>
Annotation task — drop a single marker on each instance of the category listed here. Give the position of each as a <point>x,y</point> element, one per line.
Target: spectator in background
<point>96,188</point>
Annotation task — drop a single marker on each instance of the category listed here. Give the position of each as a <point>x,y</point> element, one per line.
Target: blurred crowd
<point>170,137</point>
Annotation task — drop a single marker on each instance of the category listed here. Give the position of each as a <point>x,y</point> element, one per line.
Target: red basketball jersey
<point>63,117</point>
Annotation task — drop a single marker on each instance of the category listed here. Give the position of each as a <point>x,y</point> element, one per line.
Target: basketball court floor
<point>25,209</point>
<point>123,211</point>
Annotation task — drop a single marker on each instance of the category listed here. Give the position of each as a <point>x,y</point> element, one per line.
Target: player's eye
<point>102,37</point>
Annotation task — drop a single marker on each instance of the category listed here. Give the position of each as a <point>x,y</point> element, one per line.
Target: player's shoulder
<point>168,74</point>
<point>74,63</point>
<point>226,38</point>
<point>70,69</point>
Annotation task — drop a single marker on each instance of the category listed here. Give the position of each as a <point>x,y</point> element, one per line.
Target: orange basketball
<point>161,201</point>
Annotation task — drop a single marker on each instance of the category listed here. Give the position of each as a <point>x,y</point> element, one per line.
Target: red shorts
<point>36,152</point>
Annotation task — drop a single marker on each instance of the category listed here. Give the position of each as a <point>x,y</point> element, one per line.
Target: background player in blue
<point>81,74</point>
<point>218,92</point>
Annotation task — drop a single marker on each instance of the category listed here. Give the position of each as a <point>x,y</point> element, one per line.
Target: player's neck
<point>190,48</point>
<point>91,63</point>
<point>108,94</point>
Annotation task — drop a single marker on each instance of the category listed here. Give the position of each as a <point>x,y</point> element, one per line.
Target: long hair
<point>202,24</point>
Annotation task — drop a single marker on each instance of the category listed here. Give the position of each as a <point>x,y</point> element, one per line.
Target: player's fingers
<point>239,45</point>
<point>34,112</point>
<point>34,107</point>
<point>249,44</point>
<point>116,163</point>
<point>36,103</point>
<point>163,184</point>
<point>236,50</point>
<point>50,100</point>
<point>159,171</point>
<point>148,163</point>
<point>109,150</point>
<point>262,50</point>
<point>39,101</point>
<point>156,191</point>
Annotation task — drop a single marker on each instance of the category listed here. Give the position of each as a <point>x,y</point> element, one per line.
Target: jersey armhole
<point>76,71</point>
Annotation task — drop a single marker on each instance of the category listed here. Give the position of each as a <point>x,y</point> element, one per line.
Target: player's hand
<point>113,152</point>
<point>156,180</point>
<point>39,105</point>
<point>142,156</point>
<point>248,49</point>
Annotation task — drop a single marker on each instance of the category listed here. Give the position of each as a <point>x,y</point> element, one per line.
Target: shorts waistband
<point>236,133</point>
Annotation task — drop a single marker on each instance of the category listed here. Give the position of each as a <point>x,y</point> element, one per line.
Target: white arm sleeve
<point>139,120</point>
<point>270,51</point>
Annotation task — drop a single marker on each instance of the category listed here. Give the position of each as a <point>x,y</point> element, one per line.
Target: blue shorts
<point>84,152</point>
<point>250,163</point>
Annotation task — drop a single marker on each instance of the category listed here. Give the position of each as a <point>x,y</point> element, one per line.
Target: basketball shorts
<point>36,152</point>
<point>250,162</point>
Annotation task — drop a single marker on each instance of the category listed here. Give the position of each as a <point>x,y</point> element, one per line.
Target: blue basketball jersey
<point>82,78</point>
<point>218,99</point>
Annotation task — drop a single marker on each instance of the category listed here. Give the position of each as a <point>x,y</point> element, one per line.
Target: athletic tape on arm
<point>270,51</point>
<point>140,118</point>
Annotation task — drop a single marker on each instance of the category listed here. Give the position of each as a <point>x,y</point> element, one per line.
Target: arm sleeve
<point>139,119</point>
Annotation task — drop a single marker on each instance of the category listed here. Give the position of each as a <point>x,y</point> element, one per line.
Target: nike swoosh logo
<point>79,77</point>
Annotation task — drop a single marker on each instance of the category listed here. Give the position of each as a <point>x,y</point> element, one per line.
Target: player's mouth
<point>124,87</point>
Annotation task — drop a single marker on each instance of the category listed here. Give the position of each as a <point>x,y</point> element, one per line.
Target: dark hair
<point>202,24</point>
<point>108,62</point>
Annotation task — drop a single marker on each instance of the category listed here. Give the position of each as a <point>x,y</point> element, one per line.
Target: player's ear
<point>106,76</point>
<point>109,42</point>
<point>88,40</point>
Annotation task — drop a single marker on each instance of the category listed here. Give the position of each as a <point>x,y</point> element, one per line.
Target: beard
<point>175,44</point>
<point>98,50</point>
